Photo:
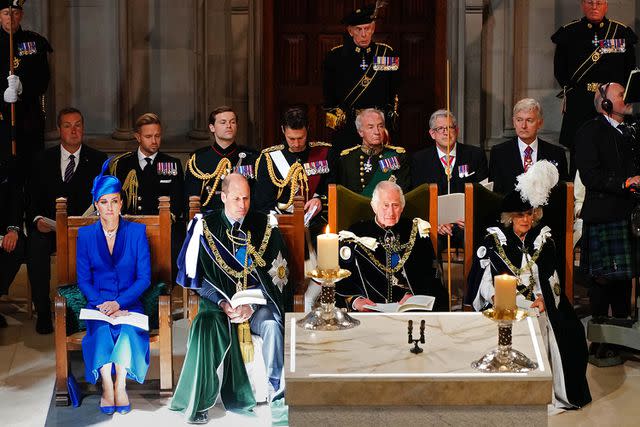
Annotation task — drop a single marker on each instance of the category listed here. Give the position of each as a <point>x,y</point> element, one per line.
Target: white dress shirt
<point>142,161</point>
<point>534,146</point>
<point>64,160</point>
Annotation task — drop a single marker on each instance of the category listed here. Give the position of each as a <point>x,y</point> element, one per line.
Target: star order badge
<point>279,272</point>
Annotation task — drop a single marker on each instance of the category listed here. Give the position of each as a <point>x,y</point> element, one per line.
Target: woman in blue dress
<point>113,270</point>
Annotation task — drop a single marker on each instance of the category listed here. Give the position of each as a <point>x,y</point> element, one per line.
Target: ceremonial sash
<point>316,154</point>
<point>232,262</point>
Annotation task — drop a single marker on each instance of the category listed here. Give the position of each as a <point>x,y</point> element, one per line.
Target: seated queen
<point>113,270</point>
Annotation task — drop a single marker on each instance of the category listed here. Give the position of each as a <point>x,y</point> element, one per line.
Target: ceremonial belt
<point>589,62</point>
<point>378,176</point>
<point>361,86</point>
<point>316,154</point>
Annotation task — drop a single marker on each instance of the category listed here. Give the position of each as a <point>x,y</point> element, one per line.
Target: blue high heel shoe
<point>108,410</point>
<point>123,409</point>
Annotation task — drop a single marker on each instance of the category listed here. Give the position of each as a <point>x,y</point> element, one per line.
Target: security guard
<point>208,165</point>
<point>589,52</point>
<point>359,74</point>
<point>276,168</point>
<point>26,88</point>
<point>363,166</point>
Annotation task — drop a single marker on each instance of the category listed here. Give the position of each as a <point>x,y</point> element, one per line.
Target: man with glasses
<point>589,52</point>
<point>514,157</point>
<point>359,74</point>
<point>449,164</point>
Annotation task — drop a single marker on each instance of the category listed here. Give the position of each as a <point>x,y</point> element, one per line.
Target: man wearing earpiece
<point>605,161</point>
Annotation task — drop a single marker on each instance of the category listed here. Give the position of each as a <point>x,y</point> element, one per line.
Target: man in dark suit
<point>512,158</point>
<point>12,240</point>
<point>66,170</point>
<point>466,163</point>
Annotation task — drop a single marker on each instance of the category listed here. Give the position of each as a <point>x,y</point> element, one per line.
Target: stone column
<point>124,131</point>
<point>200,129</point>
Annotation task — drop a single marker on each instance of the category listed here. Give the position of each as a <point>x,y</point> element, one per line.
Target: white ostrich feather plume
<point>535,184</point>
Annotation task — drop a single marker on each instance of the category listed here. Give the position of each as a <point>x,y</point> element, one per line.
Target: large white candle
<point>328,251</point>
<point>505,298</point>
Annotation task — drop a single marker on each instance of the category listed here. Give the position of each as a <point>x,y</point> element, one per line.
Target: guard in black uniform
<point>316,165</point>
<point>26,88</point>
<point>359,74</point>
<point>589,52</point>
<point>204,168</point>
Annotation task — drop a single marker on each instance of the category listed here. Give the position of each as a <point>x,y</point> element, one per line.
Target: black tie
<point>147,166</point>
<point>235,230</point>
<point>68,172</point>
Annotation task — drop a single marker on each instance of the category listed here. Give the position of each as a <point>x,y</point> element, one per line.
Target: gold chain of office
<point>518,271</point>
<point>403,259</point>
<point>251,251</point>
<point>296,178</point>
<point>223,168</point>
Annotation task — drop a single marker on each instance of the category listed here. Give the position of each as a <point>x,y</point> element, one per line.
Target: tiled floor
<point>27,372</point>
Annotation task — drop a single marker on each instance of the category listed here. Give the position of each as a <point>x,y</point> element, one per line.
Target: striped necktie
<point>68,172</point>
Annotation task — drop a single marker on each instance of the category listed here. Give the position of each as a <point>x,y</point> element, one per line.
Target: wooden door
<point>298,34</point>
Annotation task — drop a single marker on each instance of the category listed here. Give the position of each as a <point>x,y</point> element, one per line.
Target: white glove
<point>10,96</point>
<point>15,83</point>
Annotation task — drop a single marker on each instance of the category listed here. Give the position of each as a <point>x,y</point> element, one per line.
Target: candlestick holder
<point>328,317</point>
<point>504,358</point>
<point>416,348</point>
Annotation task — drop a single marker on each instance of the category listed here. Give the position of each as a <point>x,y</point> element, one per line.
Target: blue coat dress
<point>122,276</point>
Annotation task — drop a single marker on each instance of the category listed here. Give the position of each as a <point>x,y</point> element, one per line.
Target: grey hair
<point>386,186</point>
<point>441,113</point>
<point>528,104</point>
<point>367,111</point>
<point>506,218</point>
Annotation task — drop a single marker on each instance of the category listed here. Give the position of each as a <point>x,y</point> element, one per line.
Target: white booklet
<point>450,208</point>
<point>134,319</point>
<point>488,185</point>
<point>414,303</point>
<point>248,296</point>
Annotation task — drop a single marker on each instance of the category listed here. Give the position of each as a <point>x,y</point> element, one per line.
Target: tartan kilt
<point>607,250</point>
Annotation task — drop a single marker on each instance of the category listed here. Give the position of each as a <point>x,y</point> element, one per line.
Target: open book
<point>134,319</point>
<point>414,303</point>
<point>248,296</point>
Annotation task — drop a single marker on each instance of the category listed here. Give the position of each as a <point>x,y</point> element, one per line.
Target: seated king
<point>228,251</point>
<point>390,257</point>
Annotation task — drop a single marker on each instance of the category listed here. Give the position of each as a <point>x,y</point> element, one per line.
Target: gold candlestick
<point>504,358</point>
<point>328,317</point>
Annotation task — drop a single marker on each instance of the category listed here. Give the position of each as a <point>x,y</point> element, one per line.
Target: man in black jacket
<point>512,158</point>
<point>466,163</point>
<point>66,170</point>
<point>605,160</point>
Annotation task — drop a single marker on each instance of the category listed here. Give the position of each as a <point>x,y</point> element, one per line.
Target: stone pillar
<point>200,130</point>
<point>124,130</point>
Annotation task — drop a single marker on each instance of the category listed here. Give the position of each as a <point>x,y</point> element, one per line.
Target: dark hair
<point>221,109</point>
<point>295,118</point>
<point>147,119</point>
<point>68,110</point>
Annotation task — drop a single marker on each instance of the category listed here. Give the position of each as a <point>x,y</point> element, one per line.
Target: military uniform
<point>357,78</point>
<point>588,55</point>
<point>204,161</point>
<point>318,160</point>
<point>32,66</point>
<point>360,172</point>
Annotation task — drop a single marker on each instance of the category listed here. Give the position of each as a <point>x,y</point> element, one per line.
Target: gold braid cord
<point>296,179</point>
<point>405,256</point>
<point>244,330</point>
<point>223,168</point>
<point>528,292</point>
<point>130,188</point>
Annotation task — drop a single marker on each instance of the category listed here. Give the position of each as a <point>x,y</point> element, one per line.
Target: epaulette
<point>319,144</point>
<point>348,150</point>
<point>399,150</point>
<point>113,164</point>
<point>273,148</point>
<point>619,23</point>
<point>575,21</point>
<point>385,45</point>
<point>336,47</point>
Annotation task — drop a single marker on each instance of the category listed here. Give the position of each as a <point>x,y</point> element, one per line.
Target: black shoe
<point>201,417</point>
<point>3,321</point>
<point>44,325</point>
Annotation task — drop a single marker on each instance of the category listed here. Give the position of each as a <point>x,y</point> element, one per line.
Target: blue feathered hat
<point>105,184</point>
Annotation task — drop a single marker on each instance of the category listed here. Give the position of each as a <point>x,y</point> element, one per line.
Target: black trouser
<point>40,246</point>
<point>10,264</point>
<point>615,293</point>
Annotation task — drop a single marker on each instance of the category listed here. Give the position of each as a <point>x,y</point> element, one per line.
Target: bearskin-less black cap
<point>513,203</point>
<point>360,16</point>
<point>16,4</point>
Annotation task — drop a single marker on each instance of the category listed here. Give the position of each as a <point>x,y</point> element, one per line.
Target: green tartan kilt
<point>607,250</point>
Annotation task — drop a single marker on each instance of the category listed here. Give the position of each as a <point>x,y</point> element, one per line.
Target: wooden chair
<point>292,229</point>
<point>482,210</point>
<point>347,207</point>
<point>159,236</point>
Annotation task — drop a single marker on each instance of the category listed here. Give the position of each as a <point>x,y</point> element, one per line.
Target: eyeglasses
<point>594,2</point>
<point>441,129</point>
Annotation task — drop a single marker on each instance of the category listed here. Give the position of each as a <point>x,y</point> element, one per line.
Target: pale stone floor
<point>27,373</point>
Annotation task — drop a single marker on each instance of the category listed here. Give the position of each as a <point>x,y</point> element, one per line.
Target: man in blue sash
<point>226,252</point>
